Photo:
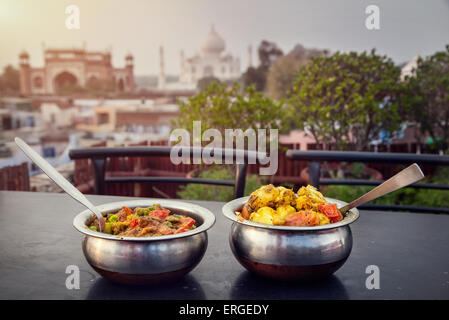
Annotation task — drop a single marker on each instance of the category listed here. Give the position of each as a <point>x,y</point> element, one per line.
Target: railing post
<point>99,172</point>
<point>314,173</point>
<point>240,180</point>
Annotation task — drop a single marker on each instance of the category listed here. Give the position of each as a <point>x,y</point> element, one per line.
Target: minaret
<point>161,80</point>
<point>181,72</point>
<point>25,73</point>
<point>129,66</point>
<point>250,56</point>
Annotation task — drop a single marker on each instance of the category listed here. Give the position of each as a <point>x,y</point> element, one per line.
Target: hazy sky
<point>408,27</point>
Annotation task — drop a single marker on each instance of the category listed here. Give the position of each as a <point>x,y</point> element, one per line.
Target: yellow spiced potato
<point>283,211</point>
<point>277,220</point>
<point>263,197</point>
<point>281,206</point>
<point>285,197</point>
<point>263,215</point>
<point>309,198</point>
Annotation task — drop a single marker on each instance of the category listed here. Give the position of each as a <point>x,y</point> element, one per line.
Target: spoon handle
<point>58,178</point>
<point>405,177</point>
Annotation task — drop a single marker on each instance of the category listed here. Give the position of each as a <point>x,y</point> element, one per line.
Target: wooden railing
<point>316,158</point>
<point>138,166</point>
<point>99,156</point>
<point>15,178</point>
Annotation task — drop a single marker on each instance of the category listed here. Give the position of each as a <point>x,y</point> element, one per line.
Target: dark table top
<point>38,242</point>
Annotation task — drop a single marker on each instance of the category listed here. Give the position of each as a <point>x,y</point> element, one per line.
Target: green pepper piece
<point>93,228</point>
<point>113,218</point>
<point>108,227</point>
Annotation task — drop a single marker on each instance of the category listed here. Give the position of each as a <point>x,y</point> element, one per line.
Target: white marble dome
<point>213,61</point>
<point>213,43</point>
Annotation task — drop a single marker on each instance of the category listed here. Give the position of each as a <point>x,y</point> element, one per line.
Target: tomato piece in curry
<point>145,222</point>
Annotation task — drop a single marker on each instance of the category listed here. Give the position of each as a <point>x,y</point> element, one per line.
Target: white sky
<point>408,27</point>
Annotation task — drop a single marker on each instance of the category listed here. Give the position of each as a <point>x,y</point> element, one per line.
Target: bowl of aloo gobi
<point>145,241</point>
<point>280,234</point>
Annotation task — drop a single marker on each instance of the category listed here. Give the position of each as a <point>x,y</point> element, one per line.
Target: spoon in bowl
<point>54,175</point>
<point>402,179</point>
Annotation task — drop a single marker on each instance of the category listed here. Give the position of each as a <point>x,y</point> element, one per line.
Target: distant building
<point>74,67</point>
<point>58,115</point>
<point>409,69</point>
<point>213,61</point>
<point>17,113</point>
<point>141,121</point>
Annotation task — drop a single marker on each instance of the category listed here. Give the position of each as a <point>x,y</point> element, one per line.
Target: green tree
<point>268,53</point>
<point>204,82</point>
<point>217,193</point>
<point>222,107</point>
<point>404,196</point>
<point>256,77</point>
<point>346,99</point>
<point>425,98</point>
<point>283,72</point>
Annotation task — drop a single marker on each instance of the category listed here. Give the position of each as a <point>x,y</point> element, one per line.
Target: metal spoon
<point>59,179</point>
<point>405,177</point>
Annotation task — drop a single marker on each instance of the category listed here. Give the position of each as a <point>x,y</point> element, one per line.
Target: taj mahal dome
<point>212,61</point>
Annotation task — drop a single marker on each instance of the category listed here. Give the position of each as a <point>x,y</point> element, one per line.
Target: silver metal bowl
<point>290,253</point>
<point>135,260</point>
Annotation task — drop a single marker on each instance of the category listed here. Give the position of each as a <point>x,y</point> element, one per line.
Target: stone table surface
<point>38,242</point>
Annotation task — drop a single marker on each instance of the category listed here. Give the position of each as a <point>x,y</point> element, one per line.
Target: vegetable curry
<point>144,222</point>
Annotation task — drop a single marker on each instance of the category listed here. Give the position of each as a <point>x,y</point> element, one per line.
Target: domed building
<point>212,61</point>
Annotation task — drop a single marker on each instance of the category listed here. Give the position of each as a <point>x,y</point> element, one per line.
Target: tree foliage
<point>346,99</point>
<point>255,77</point>
<point>283,72</point>
<point>217,193</point>
<point>204,82</point>
<point>425,98</point>
<point>268,53</point>
<point>221,107</point>
<point>404,196</point>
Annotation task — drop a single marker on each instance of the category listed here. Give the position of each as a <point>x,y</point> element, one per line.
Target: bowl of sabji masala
<point>145,241</point>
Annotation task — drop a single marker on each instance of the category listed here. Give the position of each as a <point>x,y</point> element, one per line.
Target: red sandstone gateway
<point>74,68</point>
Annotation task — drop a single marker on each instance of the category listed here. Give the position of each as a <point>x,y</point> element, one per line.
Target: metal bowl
<point>290,253</point>
<point>133,260</point>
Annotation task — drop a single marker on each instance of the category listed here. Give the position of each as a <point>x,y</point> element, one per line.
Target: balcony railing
<point>315,158</point>
<point>99,155</point>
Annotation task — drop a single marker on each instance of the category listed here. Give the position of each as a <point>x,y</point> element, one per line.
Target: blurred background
<point>353,76</point>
